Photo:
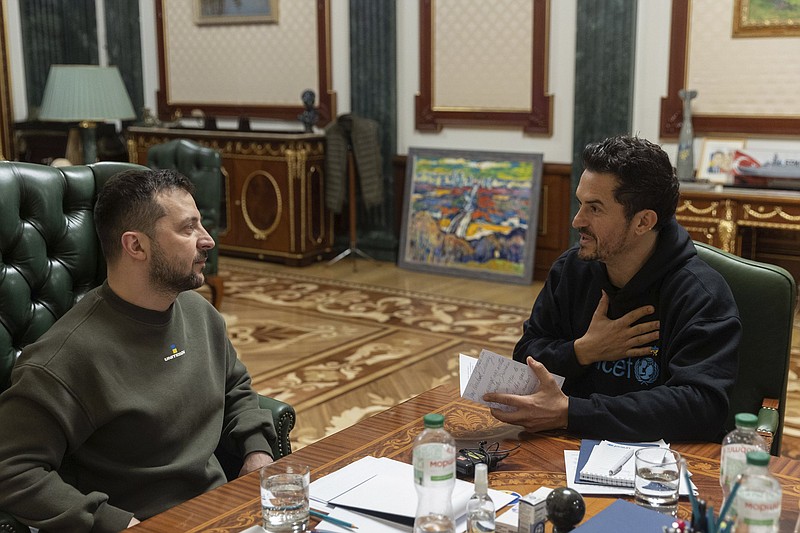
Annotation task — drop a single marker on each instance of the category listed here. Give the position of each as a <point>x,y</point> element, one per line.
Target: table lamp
<point>86,94</point>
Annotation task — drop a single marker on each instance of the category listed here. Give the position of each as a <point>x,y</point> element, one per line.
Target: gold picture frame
<point>762,18</point>
<point>208,12</point>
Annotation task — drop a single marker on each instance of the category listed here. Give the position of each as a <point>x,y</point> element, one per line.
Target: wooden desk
<point>538,462</point>
<point>760,224</point>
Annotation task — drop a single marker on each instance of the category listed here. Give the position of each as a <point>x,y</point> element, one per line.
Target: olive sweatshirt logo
<point>174,353</point>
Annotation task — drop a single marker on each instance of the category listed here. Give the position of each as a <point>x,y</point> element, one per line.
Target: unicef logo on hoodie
<point>646,370</point>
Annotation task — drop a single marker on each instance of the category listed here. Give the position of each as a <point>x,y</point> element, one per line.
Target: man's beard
<point>610,250</point>
<point>583,253</point>
<point>165,277</point>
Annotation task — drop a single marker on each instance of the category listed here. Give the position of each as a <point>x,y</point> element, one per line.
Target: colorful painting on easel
<point>471,213</point>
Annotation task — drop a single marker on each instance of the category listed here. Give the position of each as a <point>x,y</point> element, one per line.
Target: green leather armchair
<point>766,296</point>
<point>50,258</point>
<point>203,166</point>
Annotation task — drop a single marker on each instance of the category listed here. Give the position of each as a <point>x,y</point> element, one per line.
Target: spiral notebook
<point>611,463</point>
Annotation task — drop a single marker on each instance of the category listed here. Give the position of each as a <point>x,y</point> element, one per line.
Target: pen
<point>332,520</point>
<point>618,466</point>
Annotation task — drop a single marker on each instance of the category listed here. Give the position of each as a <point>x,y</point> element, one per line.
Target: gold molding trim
<point>689,206</point>
<point>295,163</point>
<point>761,215</point>
<point>708,232</point>
<point>701,220</point>
<point>258,233</point>
<point>235,148</point>
<point>769,225</point>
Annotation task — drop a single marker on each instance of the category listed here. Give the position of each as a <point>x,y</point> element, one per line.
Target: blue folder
<point>625,517</point>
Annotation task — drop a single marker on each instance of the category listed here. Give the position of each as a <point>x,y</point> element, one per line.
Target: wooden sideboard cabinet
<point>274,201</point>
<point>760,224</point>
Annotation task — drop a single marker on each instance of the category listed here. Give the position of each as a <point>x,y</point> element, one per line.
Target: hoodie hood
<point>673,249</point>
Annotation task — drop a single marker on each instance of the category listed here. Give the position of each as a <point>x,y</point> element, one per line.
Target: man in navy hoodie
<point>645,333</point>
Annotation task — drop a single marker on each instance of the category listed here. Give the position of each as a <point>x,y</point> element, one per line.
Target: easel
<point>351,199</point>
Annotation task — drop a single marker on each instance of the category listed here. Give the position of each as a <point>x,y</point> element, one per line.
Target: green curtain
<point>55,32</point>
<point>65,32</point>
<point>373,83</point>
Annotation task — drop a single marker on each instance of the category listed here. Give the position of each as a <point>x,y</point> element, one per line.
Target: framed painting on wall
<point>766,18</point>
<point>235,11</point>
<point>471,213</point>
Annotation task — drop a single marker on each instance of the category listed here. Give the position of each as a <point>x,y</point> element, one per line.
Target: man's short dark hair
<point>645,175</point>
<point>127,202</point>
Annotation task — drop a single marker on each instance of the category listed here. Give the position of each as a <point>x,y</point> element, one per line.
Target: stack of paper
<point>378,495</point>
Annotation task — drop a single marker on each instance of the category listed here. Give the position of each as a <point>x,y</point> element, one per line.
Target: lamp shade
<point>76,93</point>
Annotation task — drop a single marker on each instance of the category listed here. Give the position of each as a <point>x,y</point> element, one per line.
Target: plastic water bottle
<point>735,446</point>
<point>757,502</point>
<point>480,507</point>
<point>434,459</point>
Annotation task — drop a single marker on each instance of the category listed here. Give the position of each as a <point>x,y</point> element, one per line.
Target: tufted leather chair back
<point>49,252</point>
<point>203,167</point>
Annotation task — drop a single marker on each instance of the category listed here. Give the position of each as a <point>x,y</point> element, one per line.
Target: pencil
<point>332,520</point>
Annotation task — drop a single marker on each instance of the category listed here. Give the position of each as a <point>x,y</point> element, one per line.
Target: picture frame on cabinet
<point>471,213</point>
<point>716,159</point>
<point>207,12</point>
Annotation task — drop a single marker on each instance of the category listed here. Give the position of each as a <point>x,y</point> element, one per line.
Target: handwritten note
<point>492,372</point>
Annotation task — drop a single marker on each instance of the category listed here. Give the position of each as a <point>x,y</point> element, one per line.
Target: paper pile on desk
<point>378,495</point>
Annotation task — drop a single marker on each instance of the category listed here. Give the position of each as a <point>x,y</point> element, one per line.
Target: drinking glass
<point>657,479</point>
<point>284,497</point>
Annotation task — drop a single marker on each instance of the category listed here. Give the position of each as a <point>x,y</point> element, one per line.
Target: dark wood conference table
<point>539,461</point>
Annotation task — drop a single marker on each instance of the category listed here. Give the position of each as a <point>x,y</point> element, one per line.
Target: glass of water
<point>657,479</point>
<point>284,496</point>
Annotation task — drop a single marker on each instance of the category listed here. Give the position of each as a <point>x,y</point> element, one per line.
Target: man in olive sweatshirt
<point>114,414</point>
